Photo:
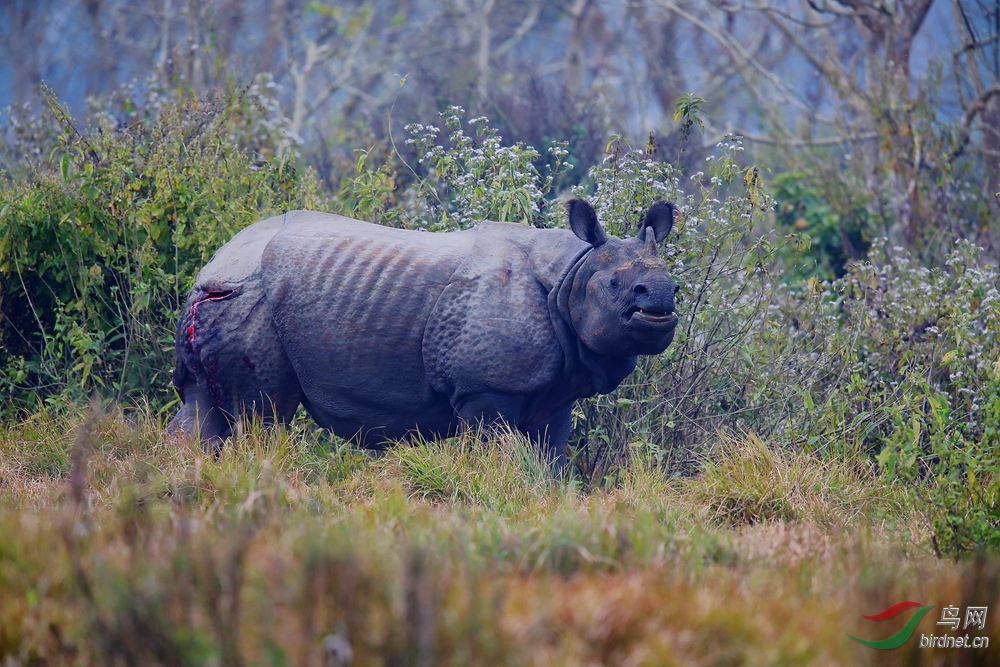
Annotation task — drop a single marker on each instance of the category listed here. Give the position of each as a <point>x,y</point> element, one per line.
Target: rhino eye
<point>614,283</point>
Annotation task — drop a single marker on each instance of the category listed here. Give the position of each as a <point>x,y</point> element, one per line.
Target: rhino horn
<point>650,241</point>
<point>660,219</point>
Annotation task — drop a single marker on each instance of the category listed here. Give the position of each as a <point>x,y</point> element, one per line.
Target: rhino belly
<point>351,314</point>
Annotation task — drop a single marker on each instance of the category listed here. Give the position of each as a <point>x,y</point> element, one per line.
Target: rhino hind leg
<point>230,364</point>
<point>200,417</point>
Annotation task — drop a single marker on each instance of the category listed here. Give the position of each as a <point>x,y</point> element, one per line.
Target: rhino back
<point>240,258</point>
<point>350,301</point>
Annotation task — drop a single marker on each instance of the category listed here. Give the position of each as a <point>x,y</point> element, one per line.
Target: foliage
<point>478,178</point>
<point>535,112</point>
<point>838,233</point>
<point>891,360</point>
<point>927,373</point>
<point>712,377</point>
<point>688,113</point>
<point>912,178</point>
<point>475,178</point>
<point>105,228</point>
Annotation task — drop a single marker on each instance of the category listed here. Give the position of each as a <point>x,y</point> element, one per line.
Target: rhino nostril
<point>639,290</point>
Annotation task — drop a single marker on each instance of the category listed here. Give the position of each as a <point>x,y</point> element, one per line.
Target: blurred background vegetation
<point>881,115</point>
<point>837,164</point>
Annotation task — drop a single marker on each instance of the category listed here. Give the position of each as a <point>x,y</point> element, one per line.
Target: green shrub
<point>101,240</point>
<point>838,235</point>
<point>474,178</point>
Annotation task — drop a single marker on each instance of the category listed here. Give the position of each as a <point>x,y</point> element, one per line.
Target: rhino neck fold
<point>574,351</point>
<point>605,373</point>
<point>558,303</point>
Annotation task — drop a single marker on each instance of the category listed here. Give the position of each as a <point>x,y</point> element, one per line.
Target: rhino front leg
<point>490,409</point>
<point>554,437</point>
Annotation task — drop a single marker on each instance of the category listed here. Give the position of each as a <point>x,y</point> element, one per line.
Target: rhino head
<point>622,301</point>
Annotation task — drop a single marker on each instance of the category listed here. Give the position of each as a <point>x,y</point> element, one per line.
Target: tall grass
<point>143,550</point>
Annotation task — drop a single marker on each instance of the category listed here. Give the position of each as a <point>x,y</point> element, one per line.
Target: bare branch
<point>798,143</point>
<point>300,78</point>
<point>740,56</point>
<point>979,106</point>
<point>522,30</point>
<point>483,55</point>
<point>824,8</point>
<point>805,23</point>
<point>969,44</point>
<point>829,65</point>
<point>574,51</point>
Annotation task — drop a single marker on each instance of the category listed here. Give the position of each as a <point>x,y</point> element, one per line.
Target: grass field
<point>119,546</point>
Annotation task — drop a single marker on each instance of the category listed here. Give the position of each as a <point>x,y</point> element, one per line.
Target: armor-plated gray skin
<point>382,332</point>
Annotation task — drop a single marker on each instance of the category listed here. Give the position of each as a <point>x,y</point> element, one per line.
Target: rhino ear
<point>660,219</point>
<point>583,222</point>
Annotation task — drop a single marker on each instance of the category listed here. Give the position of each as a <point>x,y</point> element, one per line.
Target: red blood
<point>211,295</point>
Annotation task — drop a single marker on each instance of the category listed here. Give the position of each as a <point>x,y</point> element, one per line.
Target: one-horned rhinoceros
<point>383,332</point>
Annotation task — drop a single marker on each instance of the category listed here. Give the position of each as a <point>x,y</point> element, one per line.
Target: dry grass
<point>122,547</point>
<point>746,482</point>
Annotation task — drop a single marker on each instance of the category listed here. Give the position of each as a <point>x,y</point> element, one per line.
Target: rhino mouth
<point>650,316</point>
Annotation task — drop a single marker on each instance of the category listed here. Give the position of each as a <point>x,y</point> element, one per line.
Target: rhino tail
<point>204,406</point>
<point>190,338</point>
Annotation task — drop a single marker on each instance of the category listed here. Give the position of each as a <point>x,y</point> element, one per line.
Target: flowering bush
<point>475,178</point>
<point>923,387</point>
<point>713,376</point>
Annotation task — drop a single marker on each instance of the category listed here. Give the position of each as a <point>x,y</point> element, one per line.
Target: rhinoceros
<point>381,332</point>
